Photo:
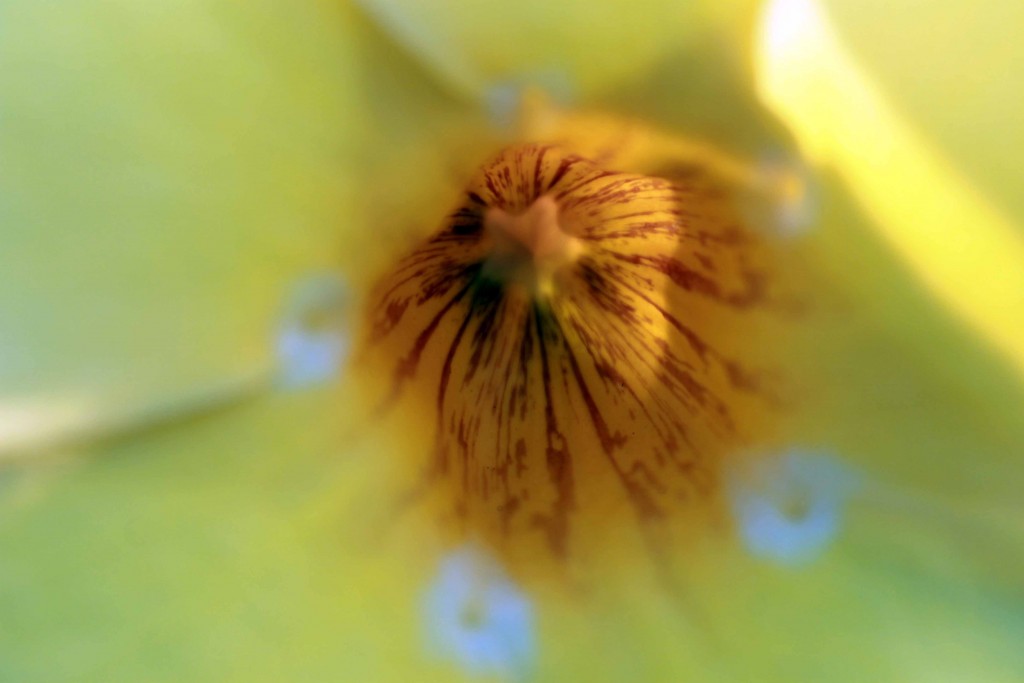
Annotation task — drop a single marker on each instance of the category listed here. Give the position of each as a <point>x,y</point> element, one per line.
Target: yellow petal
<point>948,67</point>
<point>899,385</point>
<point>963,248</point>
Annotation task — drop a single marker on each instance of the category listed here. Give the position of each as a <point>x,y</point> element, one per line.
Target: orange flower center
<point>587,345</point>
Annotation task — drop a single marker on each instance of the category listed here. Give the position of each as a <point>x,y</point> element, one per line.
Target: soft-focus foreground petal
<point>572,48</point>
<point>949,66</point>
<point>964,249</point>
<point>166,168</point>
<point>927,405</point>
<point>913,252</point>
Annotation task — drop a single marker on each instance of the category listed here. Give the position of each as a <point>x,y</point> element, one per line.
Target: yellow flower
<point>182,181</point>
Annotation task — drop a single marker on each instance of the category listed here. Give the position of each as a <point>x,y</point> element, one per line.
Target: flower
<point>173,176</point>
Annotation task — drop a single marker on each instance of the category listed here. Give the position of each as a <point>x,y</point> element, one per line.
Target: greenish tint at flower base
<point>169,171</point>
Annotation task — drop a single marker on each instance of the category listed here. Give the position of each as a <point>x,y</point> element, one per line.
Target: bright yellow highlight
<point>959,245</point>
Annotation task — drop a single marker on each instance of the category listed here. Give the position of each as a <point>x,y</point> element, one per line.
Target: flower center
<point>530,247</point>
<point>574,347</point>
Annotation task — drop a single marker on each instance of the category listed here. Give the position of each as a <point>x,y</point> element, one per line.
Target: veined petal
<point>579,347</point>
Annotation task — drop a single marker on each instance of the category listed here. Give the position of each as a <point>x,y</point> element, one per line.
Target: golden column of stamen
<point>575,350</point>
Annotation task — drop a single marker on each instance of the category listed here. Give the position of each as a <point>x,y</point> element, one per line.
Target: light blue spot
<point>311,339</point>
<point>790,508</point>
<point>476,617</point>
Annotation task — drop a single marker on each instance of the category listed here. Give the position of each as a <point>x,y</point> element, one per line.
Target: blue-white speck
<point>476,617</point>
<point>789,508</point>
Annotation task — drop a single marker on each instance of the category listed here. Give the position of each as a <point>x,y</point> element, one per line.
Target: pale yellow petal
<point>167,169</point>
